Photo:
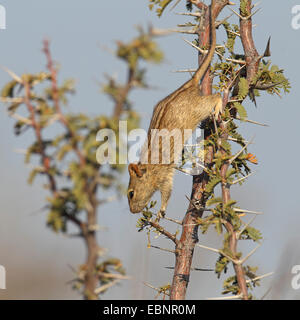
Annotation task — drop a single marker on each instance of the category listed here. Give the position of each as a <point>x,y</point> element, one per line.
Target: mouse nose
<point>136,207</point>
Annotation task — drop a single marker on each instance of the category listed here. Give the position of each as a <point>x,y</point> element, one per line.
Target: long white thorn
<point>194,46</point>
<point>242,179</point>
<point>208,248</point>
<point>245,18</point>
<point>218,23</point>
<point>162,249</point>
<point>106,286</point>
<point>218,251</point>
<point>237,14</point>
<point>173,220</point>
<point>253,122</point>
<point>11,100</point>
<point>12,74</point>
<point>185,70</point>
<point>249,254</point>
<point>176,3</point>
<point>236,140</point>
<point>191,31</point>
<point>238,234</point>
<point>246,211</point>
<point>21,119</point>
<point>193,14</point>
<point>238,153</point>
<point>260,277</point>
<point>161,32</point>
<point>256,4</point>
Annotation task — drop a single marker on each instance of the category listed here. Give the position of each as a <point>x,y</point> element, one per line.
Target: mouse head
<point>140,188</point>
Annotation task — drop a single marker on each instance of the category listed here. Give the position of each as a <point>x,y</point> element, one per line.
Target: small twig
<point>53,71</point>
<point>162,249</point>
<point>163,231</point>
<point>173,220</point>
<point>156,289</point>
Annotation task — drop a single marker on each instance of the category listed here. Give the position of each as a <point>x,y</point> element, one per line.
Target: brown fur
<point>183,109</point>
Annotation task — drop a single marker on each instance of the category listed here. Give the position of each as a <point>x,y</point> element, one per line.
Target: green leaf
<point>8,89</point>
<point>218,225</point>
<point>212,184</point>
<point>252,233</point>
<point>226,145</point>
<point>162,5</point>
<point>230,203</point>
<point>221,265</point>
<point>243,88</point>
<point>213,200</point>
<point>63,151</point>
<point>241,110</point>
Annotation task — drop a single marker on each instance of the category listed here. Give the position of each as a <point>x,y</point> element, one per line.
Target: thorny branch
<point>189,236</point>
<point>88,228</point>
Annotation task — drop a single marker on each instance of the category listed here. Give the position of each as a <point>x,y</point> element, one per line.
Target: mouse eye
<point>130,194</point>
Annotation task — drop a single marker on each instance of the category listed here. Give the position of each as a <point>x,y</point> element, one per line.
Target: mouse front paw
<point>160,214</point>
<point>218,108</point>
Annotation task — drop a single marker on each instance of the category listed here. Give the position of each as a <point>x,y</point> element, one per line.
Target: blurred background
<point>37,261</point>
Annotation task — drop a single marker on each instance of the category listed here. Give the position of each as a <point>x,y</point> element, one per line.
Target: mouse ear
<point>135,169</point>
